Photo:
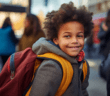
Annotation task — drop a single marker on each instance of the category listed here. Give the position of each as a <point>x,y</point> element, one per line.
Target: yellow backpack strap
<point>84,70</point>
<point>37,63</point>
<point>67,72</point>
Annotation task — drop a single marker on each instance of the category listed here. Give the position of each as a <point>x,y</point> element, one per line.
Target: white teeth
<point>74,47</point>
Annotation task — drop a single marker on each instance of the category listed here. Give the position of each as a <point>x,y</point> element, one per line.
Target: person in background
<point>32,32</point>
<point>8,40</point>
<point>104,37</point>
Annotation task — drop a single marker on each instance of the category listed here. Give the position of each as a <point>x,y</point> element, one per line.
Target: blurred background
<point>18,9</point>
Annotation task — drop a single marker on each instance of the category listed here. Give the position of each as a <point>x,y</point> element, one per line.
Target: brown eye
<point>80,36</point>
<point>67,36</point>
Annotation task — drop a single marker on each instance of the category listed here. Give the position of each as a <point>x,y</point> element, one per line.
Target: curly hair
<point>67,13</point>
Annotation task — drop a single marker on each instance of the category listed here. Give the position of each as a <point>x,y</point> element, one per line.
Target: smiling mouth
<point>74,48</point>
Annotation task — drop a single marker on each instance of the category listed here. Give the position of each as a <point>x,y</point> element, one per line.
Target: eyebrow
<point>70,32</point>
<point>80,32</point>
<point>66,32</point>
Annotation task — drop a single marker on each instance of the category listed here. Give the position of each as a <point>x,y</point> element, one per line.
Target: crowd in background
<point>9,43</point>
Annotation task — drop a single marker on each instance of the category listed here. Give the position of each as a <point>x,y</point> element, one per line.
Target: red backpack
<point>24,65</point>
<point>18,72</point>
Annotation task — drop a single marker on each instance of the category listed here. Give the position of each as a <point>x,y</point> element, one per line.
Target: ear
<point>55,40</point>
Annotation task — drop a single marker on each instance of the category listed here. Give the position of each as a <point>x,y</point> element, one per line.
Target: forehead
<point>73,26</point>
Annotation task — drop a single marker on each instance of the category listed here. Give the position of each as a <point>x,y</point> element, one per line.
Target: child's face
<point>70,38</point>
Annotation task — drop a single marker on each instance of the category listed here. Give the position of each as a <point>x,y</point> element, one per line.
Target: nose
<point>74,40</point>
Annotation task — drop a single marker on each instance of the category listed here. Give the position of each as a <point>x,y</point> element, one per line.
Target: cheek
<point>81,41</point>
<point>63,42</point>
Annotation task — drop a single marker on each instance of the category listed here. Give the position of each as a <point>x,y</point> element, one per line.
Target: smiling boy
<point>65,32</point>
<point>70,38</point>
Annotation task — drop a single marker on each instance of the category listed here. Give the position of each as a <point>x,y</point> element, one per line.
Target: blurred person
<point>8,40</point>
<point>104,37</point>
<point>32,32</point>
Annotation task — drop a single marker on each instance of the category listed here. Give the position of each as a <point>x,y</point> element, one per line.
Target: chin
<point>74,55</point>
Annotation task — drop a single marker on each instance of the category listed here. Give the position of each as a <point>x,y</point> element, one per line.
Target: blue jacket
<point>8,41</point>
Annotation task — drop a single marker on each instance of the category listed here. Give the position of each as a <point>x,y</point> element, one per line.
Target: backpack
<point>18,73</point>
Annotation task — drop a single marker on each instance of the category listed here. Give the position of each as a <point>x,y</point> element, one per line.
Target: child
<point>65,33</point>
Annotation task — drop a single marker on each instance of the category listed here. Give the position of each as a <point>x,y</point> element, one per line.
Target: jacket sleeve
<point>47,79</point>
<point>86,82</point>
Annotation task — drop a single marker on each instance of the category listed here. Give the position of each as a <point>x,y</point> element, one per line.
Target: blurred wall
<point>98,6</point>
